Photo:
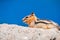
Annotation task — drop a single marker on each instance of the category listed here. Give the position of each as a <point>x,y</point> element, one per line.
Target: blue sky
<point>12,11</point>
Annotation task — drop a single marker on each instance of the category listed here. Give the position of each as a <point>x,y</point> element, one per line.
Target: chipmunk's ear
<point>32,14</point>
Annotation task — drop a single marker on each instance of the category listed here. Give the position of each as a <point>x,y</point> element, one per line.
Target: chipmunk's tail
<point>59,27</point>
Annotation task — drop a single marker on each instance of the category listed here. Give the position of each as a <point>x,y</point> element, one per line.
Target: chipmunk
<point>35,22</point>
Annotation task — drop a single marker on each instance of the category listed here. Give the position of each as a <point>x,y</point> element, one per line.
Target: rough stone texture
<point>15,32</point>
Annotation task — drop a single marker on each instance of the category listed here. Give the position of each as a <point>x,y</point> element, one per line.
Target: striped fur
<point>34,22</point>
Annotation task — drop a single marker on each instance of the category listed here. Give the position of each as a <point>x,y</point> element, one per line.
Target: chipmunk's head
<point>28,19</point>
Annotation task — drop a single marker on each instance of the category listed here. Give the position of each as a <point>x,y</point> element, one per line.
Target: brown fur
<point>31,19</point>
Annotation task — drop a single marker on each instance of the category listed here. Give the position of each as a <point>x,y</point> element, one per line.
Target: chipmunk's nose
<point>23,19</point>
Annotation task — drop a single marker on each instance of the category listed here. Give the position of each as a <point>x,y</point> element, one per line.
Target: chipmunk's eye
<point>26,17</point>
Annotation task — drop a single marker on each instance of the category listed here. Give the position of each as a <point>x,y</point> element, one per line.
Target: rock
<point>15,32</point>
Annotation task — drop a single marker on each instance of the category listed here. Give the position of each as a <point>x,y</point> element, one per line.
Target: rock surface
<point>15,32</point>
